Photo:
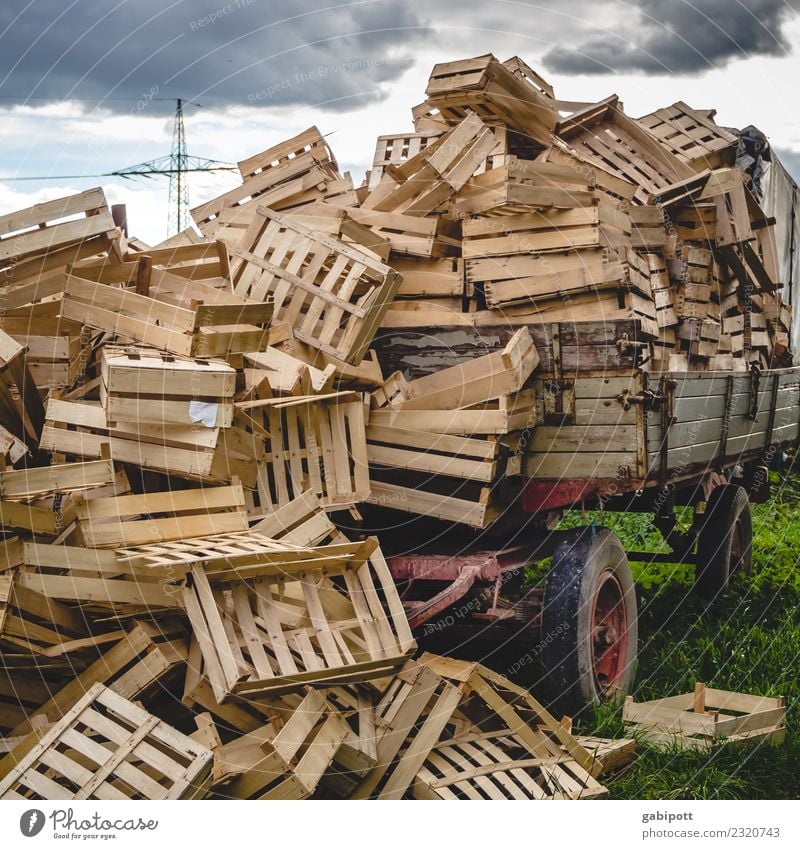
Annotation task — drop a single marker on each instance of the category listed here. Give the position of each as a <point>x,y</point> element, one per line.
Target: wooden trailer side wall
<point>589,436</point>
<point>592,436</point>
<point>699,409</point>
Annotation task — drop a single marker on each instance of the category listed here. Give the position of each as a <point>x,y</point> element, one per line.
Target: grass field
<point>748,641</point>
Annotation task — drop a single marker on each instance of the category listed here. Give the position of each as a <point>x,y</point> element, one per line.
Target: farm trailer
<point>609,435</point>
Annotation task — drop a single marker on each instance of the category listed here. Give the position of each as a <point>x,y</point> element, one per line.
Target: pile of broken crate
<point>180,614</point>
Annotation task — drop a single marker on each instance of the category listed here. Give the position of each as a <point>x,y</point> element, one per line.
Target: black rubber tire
<point>565,643</point>
<point>727,514</point>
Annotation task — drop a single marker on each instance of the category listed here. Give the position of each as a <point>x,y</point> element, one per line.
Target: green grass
<point>748,641</point>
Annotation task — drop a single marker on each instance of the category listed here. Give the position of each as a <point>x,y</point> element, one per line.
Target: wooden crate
<point>171,562</point>
<point>95,580</point>
<point>38,500</point>
<point>53,231</point>
<point>430,278</point>
<point>410,235</point>
<point>426,181</point>
<point>692,135</point>
<point>518,279</point>
<point>159,516</point>
<point>475,459</point>
<point>204,261</point>
<point>505,415</point>
<point>211,455</point>
<point>496,92</point>
<point>523,185</point>
<point>410,718</point>
<point>396,149</point>
<point>474,382</point>
<point>194,331</point>
<point>289,174</point>
<point>58,349</point>
<point>20,402</point>
<point>282,628</point>
<point>33,626</point>
<point>332,294</point>
<point>105,747</point>
<point>605,137</point>
<point>444,719</point>
<point>705,718</point>
<point>598,226</point>
<point>493,703</point>
<point>145,385</point>
<point>280,760</point>
<point>273,160</point>
<point>313,442</point>
<point>497,765</point>
<point>343,223</point>
<point>140,666</point>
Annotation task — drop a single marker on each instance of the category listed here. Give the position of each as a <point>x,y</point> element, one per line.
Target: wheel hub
<point>609,632</point>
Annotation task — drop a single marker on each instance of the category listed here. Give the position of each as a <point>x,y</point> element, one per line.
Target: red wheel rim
<point>609,633</point>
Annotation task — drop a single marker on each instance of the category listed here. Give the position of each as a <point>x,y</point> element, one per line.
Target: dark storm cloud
<point>220,52</point>
<point>680,36</point>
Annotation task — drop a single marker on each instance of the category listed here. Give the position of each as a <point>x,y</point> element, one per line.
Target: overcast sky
<point>88,86</point>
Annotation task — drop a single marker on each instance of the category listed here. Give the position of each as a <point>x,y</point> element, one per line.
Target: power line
<point>175,166</point>
<point>127,172</point>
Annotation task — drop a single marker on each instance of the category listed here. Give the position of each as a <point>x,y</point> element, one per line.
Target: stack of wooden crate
<point>186,427</point>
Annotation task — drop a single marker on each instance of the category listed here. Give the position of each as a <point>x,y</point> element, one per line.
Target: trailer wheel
<point>725,540</point>
<point>589,629</point>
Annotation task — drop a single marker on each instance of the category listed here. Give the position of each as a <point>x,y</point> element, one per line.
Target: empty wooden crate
<point>145,385</point>
<point>106,747</point>
<point>701,719</point>
<point>323,616</point>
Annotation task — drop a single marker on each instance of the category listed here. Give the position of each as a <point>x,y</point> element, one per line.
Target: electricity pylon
<point>176,166</point>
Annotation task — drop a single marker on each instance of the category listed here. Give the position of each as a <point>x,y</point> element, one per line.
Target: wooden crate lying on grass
<point>283,760</point>
<point>193,331</point>
<point>493,702</point>
<point>333,294</point>
<point>707,717</point>
<point>211,455</point>
<point>145,385</point>
<point>313,442</point>
<point>105,747</point>
<point>266,628</point>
